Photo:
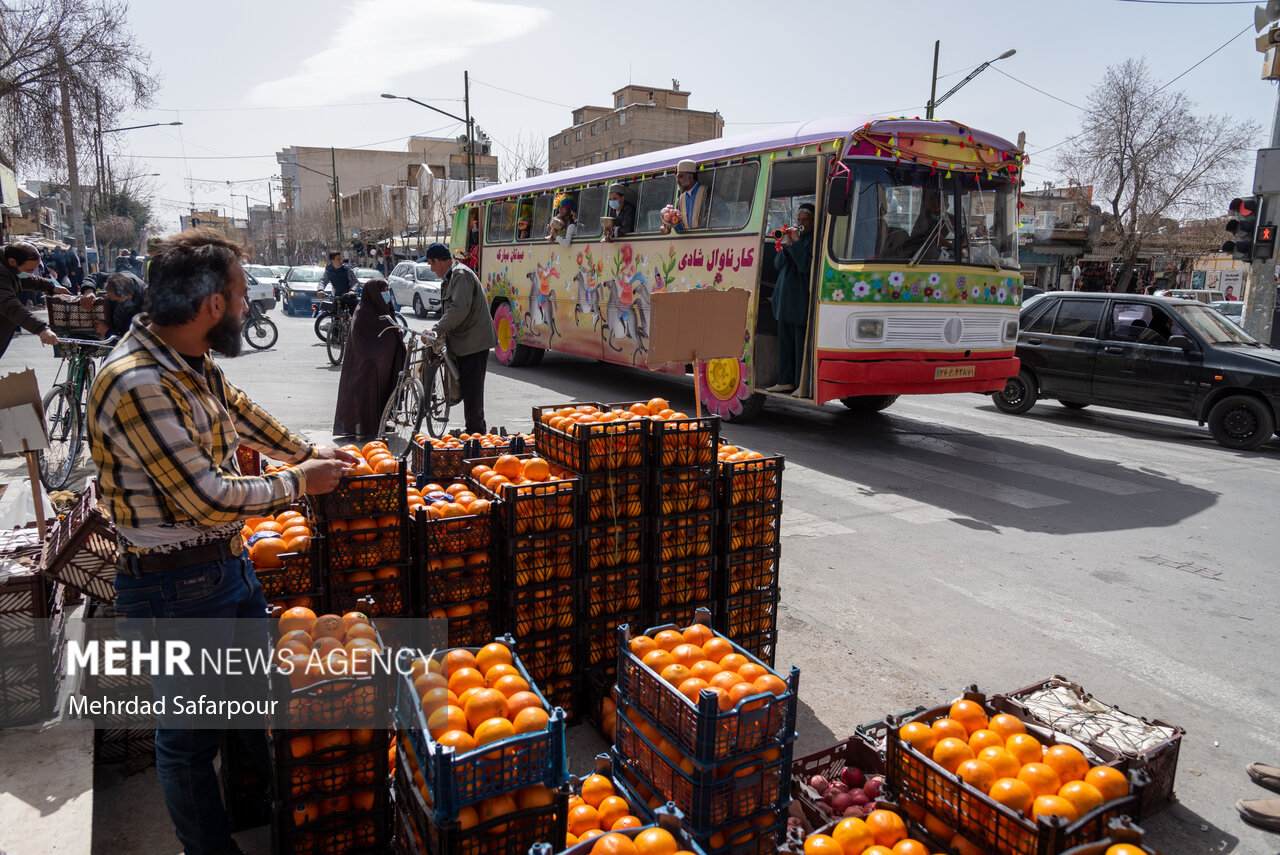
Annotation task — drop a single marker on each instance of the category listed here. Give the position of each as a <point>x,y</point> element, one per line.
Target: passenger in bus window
<point>522,229</point>
<point>791,298</point>
<point>691,203</point>
<point>623,211</point>
<point>565,221</point>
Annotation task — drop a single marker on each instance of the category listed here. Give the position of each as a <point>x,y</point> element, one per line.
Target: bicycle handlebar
<point>88,342</point>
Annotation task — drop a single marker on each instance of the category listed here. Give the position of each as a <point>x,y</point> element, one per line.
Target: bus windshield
<point>901,214</point>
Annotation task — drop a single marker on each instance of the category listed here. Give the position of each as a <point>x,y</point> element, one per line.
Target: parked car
<point>259,292</point>
<point>298,289</point>
<point>414,284</point>
<point>1233,309</point>
<point>265,276</point>
<point>1201,295</point>
<point>1150,354</point>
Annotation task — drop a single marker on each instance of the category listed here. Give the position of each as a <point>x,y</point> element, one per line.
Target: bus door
<point>792,183</point>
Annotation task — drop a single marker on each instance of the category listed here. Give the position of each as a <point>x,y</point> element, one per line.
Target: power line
<point>475,79</point>
<point>1215,50</point>
<point>1194,2</point>
<point>1041,91</point>
<point>281,107</point>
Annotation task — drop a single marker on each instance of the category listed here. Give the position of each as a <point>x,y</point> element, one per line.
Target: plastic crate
<point>1119,830</point>
<point>665,818</point>
<point>300,575</point>
<point>564,693</point>
<point>359,702</point>
<point>596,703</point>
<point>113,745</point>
<point>713,797</point>
<point>363,496</point>
<point>471,624</point>
<point>542,558</point>
<point>598,639</point>
<point>551,655</point>
<point>684,442</point>
<point>750,614</point>
<point>616,544</point>
<point>684,489</point>
<point>1099,730</point>
<point>683,582</point>
<point>750,482</point>
<point>425,460</point>
<point>30,680</point>
<point>364,827</point>
<point>685,613</point>
<point>67,315</point>
<point>603,765</point>
<point>985,822</point>
<point>446,578</point>
<point>386,596</point>
<point>592,447</point>
<point>328,772</point>
<point>452,535</point>
<point>759,835</point>
<point>750,526</point>
<point>420,833</point>
<point>538,609</point>
<point>455,780</point>
<point>533,508</point>
<point>614,495</point>
<point>245,791</point>
<point>684,536</point>
<point>857,751</point>
<point>614,590</point>
<point>702,731</point>
<point>346,548</point>
<point>28,602</point>
<point>748,569</point>
<point>761,645</point>
<point>80,550</point>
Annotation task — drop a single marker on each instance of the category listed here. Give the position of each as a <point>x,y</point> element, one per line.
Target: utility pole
<point>933,86</point>
<point>337,198</point>
<point>1260,292</point>
<point>68,133</point>
<point>271,236</point>
<point>471,132</point>
<point>97,166</point>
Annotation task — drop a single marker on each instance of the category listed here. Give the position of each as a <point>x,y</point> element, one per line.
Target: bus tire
<point>535,355</point>
<point>869,403</point>
<point>752,407</point>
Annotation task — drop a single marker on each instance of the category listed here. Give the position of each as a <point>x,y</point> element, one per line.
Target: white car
<point>414,284</point>
<point>266,277</point>
<point>259,292</point>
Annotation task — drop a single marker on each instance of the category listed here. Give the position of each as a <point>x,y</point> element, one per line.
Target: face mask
<point>22,275</point>
<point>615,204</point>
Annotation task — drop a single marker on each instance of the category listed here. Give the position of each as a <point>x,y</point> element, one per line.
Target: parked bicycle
<point>259,331</point>
<point>323,306</point>
<point>65,407</point>
<point>420,394</point>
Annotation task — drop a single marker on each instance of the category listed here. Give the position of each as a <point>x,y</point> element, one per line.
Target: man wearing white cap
<point>692,201</point>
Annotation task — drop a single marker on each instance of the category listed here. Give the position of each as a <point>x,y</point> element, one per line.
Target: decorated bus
<point>913,287</point>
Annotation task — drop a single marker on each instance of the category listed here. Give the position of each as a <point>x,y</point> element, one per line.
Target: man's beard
<point>224,336</point>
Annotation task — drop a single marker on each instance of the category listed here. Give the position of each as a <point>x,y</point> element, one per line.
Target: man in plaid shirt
<point>164,426</point>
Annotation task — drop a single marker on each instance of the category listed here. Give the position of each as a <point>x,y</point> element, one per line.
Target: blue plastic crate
<point>666,817</point>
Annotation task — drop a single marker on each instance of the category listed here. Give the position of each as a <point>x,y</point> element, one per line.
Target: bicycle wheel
<point>323,321</point>
<point>336,342</point>
<point>402,416</point>
<point>261,334</point>
<point>62,424</point>
<point>437,403</point>
<point>90,371</point>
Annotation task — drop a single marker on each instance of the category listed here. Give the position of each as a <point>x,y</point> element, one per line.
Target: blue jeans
<point>225,589</point>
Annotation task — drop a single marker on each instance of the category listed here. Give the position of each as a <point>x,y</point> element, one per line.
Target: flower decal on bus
<point>920,287</point>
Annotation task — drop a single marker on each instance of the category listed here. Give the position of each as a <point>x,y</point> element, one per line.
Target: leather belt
<point>134,564</point>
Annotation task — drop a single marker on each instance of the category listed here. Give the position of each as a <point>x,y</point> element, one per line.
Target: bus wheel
<point>722,385</point>
<point>507,350</point>
<point>869,403</point>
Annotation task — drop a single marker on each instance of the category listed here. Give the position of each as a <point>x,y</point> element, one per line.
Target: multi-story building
<point>642,119</point>
<point>410,213</point>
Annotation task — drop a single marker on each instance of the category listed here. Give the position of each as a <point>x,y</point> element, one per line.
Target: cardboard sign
<point>702,324</point>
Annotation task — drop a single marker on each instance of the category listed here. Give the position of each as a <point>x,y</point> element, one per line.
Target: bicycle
<point>65,406</point>
<point>259,331</point>
<point>419,394</point>
<point>340,328</point>
<point>324,315</point>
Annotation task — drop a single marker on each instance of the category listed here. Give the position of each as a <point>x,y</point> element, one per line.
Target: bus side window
<point>502,221</point>
<point>590,209</point>
<point>732,189</point>
<point>540,217</point>
<point>654,195</point>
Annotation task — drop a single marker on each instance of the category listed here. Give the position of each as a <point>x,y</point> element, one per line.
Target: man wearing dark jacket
<point>16,266</point>
<point>467,328</point>
<point>125,295</point>
<point>791,299</point>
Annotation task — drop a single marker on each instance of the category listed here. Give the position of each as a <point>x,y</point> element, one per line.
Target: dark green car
<point>1156,355</point>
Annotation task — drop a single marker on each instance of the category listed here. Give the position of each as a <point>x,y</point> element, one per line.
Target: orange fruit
<point>1083,795</point>
<point>909,847</point>
<point>510,684</point>
<point>297,618</point>
<point>822,844</point>
<point>530,720</point>
<point>1012,793</point>
<point>920,736</point>
<point>1054,805</point>
<point>675,674</point>
<point>697,634</point>
<point>494,807</point>
<point>704,669</point>
<point>265,554</point>
<point>770,683</point>
<point>1025,747</point>
<point>984,738</point>
<point>656,841</point>
<point>668,639</point>
<point>687,654</point>
<point>444,719</point>
<point>717,648</point>
<point>1108,781</point>
<point>630,821</point>
<point>483,705</point>
<point>1041,778</point>
<point>733,661</point>
<point>1068,761</point>
<point>1006,725</point>
<point>1005,764</point>
<point>465,678</point>
<point>970,714</point>
<point>640,645</point>
<point>508,466</point>
<point>492,730</point>
<point>614,843</point>
<point>853,835</point>
<point>950,752</point>
<point>534,796</point>
<point>459,740</point>
<point>659,659</point>
<point>692,687</point>
<point>521,701</point>
<point>459,658</point>
<point>490,655</point>
<point>977,774</point>
<point>612,809</point>
<point>583,818</point>
<point>1124,849</point>
<point>945,727</point>
<point>752,672</point>
<point>887,828</point>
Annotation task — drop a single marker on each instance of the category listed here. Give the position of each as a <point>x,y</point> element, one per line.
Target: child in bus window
<point>564,222</point>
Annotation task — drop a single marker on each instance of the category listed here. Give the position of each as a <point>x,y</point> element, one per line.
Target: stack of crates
<point>329,748</point>
<point>727,771</point>
<point>364,528</point>
<point>443,799</point>
<point>116,738</point>
<point>32,642</point>
<point>750,547</point>
<point>455,572</point>
<point>538,545</point>
<point>298,581</point>
<point>438,461</point>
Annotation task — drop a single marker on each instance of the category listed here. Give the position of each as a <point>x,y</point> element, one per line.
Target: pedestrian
<point>791,299</point>
<point>16,274</point>
<point>371,364</point>
<point>58,263</point>
<point>153,248</point>
<point>163,426</point>
<point>467,328</point>
<point>75,267</point>
<point>125,296</point>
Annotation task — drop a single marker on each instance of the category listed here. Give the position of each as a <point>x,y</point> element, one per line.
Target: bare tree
<point>524,153</point>
<point>1151,157</point>
<point>437,217</point>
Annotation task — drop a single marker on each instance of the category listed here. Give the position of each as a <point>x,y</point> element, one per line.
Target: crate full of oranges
<point>675,439</point>
<point>478,727</point>
<point>442,457</point>
<point>748,477</point>
<point>663,834</point>
<point>1009,786</point>
<point>451,518</point>
<point>285,553</point>
<point>531,495</point>
<point>591,437</point>
<point>374,485</point>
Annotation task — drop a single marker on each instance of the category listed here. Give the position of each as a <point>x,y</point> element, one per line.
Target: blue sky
<point>259,76</point>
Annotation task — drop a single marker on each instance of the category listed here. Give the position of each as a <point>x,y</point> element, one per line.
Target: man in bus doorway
<point>467,328</point>
<point>791,299</point>
<point>692,200</point>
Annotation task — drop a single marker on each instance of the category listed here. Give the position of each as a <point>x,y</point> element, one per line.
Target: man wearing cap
<point>154,245</point>
<point>692,200</point>
<point>623,211</point>
<point>467,328</point>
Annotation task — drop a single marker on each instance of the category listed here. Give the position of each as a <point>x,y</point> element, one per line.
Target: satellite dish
<point>1263,16</point>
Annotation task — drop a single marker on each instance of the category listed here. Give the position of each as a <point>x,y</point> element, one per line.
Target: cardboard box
<point>700,324</point>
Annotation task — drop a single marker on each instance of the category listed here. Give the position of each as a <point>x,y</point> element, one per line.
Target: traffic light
<point>1243,225</point>
<point>1264,243</point>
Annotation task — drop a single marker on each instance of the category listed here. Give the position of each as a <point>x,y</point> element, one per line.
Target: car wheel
<point>869,403</point>
<point>1018,395</point>
<point>1073,405</point>
<point>1241,422</point>
<point>287,308</point>
<point>419,310</point>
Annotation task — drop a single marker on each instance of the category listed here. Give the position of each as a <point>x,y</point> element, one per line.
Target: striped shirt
<point>164,438</point>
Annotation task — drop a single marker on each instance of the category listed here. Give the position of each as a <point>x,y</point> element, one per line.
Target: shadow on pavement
<point>1177,828</point>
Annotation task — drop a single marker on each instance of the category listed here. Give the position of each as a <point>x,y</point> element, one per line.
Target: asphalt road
<point>942,544</point>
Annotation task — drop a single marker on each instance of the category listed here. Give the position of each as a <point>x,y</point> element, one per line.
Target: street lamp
<point>933,103</point>
<point>468,120</point>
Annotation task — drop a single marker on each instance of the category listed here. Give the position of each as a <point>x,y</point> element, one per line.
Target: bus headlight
<point>1010,330</point>
<point>868,329</point>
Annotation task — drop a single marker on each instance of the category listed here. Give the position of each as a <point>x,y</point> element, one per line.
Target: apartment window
<point>555,143</point>
<point>622,118</point>
<point>595,129</point>
<point>606,124</point>
<point>578,136</point>
<point>622,151</point>
<point>566,139</point>
<point>617,101</point>
<point>577,118</point>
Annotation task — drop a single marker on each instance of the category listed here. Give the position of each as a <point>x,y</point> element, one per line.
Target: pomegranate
<point>852,776</point>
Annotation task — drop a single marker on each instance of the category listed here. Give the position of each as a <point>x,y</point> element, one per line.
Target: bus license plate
<point>953,372</point>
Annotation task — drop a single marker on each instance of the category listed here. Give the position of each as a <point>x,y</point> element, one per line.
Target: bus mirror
<point>840,195</point>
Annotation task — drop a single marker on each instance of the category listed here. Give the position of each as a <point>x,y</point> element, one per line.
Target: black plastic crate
<point>684,489</point>
<point>533,508</point>
<point>469,624</point>
<point>684,536</point>
<point>310,765</point>
<point>616,544</point>
<point>363,496</point>
<point>750,526</point>
<point>592,447</point>
<point>752,481</point>
<point>684,442</point>
<point>683,614</point>
<point>598,639</point>
<point>550,655</point>
<point>338,702</point>
<point>614,495</point>
<point>427,461</point>
<point>28,602</point>
<point>370,543</point>
<point>113,745</point>
<point>388,595</point>
<point>670,821</point>
<point>300,575</point>
<point>30,679</point>
<point>452,535</point>
<point>357,823</point>
<point>456,578</point>
<point>748,569</point>
<point>614,590</point>
<point>525,561</point>
<point>538,609</point>
<point>750,614</point>
<point>683,582</point>
<point>1119,830</point>
<point>245,790</point>
<point>761,645</point>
